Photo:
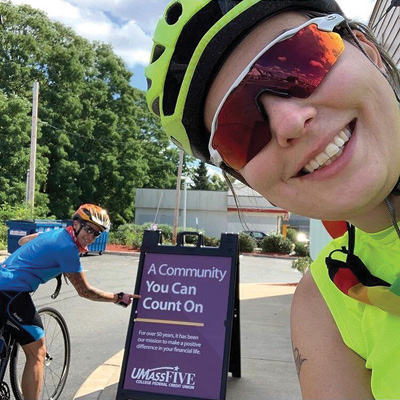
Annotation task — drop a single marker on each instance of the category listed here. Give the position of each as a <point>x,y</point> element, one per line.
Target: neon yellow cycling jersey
<point>369,331</point>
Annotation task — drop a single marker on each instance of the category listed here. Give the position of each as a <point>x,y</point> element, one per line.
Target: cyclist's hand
<point>124,299</point>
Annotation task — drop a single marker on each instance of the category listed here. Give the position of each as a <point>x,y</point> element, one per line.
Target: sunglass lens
<point>291,68</point>
<point>242,131</point>
<point>296,66</point>
<point>90,231</point>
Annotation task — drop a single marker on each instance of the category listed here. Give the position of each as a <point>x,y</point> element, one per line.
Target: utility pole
<point>177,196</point>
<point>32,165</point>
<point>185,202</point>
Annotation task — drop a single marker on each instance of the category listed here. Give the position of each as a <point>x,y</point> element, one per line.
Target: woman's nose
<point>289,118</point>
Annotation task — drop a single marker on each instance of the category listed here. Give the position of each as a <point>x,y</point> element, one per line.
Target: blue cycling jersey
<point>40,260</point>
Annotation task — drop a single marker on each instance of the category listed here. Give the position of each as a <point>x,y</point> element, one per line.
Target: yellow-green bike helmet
<point>191,41</point>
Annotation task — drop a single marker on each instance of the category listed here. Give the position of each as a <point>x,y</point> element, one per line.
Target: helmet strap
<point>77,231</point>
<point>392,213</point>
<point>396,189</point>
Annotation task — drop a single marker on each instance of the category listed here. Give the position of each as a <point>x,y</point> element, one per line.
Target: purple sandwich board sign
<point>184,332</point>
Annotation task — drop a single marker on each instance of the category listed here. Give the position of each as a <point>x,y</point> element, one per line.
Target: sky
<point>129,24</point>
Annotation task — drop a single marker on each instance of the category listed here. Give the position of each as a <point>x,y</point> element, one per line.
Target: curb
<point>266,255</point>
<point>102,377</point>
<point>137,254</point>
<point>123,253</point>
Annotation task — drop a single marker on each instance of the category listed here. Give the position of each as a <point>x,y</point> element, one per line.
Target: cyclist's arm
<point>84,289</point>
<point>327,368</point>
<point>27,238</point>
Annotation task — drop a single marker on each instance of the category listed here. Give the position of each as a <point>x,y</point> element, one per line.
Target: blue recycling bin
<point>66,222</point>
<point>19,228</point>
<point>99,245</point>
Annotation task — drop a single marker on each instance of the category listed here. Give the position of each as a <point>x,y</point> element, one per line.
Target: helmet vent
<point>149,82</point>
<point>155,106</point>
<point>157,52</point>
<point>173,13</point>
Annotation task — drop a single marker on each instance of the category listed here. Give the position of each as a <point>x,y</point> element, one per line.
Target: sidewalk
<point>268,370</point>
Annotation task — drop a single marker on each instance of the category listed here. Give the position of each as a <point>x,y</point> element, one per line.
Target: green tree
<point>200,178</point>
<point>97,141</point>
<point>218,183</point>
<point>15,131</point>
<point>162,157</point>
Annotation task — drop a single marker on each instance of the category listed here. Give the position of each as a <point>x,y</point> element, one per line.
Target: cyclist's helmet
<point>191,41</point>
<point>94,214</point>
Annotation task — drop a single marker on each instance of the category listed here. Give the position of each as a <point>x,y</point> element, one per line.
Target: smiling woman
<point>300,104</point>
<point>41,258</point>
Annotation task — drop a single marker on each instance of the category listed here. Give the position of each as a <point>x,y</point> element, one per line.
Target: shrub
<point>134,239</point>
<point>189,239</point>
<point>125,232</point>
<point>291,234</point>
<point>302,264</point>
<point>301,249</point>
<point>119,236</point>
<point>211,241</point>
<point>167,231</point>
<point>3,237</point>
<point>247,244</point>
<point>277,243</point>
<point>112,238</point>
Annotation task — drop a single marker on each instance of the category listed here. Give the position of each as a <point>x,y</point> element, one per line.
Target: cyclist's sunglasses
<point>292,65</point>
<point>90,230</point>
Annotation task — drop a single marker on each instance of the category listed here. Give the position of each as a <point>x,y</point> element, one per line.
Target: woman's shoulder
<point>59,239</point>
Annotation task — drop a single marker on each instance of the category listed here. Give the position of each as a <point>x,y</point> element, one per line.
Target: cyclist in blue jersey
<point>36,262</point>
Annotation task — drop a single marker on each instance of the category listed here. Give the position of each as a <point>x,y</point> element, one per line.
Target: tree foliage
<point>200,178</point>
<point>97,141</point>
<point>218,183</point>
<point>202,181</point>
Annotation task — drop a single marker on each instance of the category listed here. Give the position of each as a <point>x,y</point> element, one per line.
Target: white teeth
<point>322,158</point>
<point>331,152</point>
<point>343,136</point>
<point>331,149</point>
<point>339,142</point>
<point>308,168</point>
<point>314,164</point>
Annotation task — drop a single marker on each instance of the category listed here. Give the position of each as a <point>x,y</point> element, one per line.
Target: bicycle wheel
<point>57,360</point>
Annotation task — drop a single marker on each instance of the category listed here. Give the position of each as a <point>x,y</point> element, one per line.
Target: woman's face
<point>354,99</point>
<point>84,238</point>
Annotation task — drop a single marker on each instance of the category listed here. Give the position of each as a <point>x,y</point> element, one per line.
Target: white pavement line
<point>105,375</point>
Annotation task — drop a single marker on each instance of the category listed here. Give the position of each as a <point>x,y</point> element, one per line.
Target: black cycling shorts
<point>19,316</point>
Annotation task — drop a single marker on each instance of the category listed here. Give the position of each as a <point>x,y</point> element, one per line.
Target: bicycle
<point>56,364</point>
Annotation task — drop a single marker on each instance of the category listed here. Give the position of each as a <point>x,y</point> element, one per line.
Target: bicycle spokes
<point>4,391</point>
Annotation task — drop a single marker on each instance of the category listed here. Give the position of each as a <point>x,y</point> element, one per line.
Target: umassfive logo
<point>164,376</point>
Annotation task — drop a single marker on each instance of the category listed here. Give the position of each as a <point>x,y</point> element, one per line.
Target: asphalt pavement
<point>268,370</point>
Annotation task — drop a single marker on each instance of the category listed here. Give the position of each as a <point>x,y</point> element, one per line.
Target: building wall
<point>387,30</point>
<point>211,212</point>
<point>205,210</point>
<point>253,222</point>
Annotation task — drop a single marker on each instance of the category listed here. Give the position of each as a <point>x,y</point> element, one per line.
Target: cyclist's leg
<point>32,376</point>
<point>26,327</point>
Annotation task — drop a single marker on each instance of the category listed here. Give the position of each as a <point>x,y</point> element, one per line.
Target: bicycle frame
<point>9,342</point>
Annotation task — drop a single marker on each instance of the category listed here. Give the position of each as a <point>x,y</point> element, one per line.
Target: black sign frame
<point>229,247</point>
